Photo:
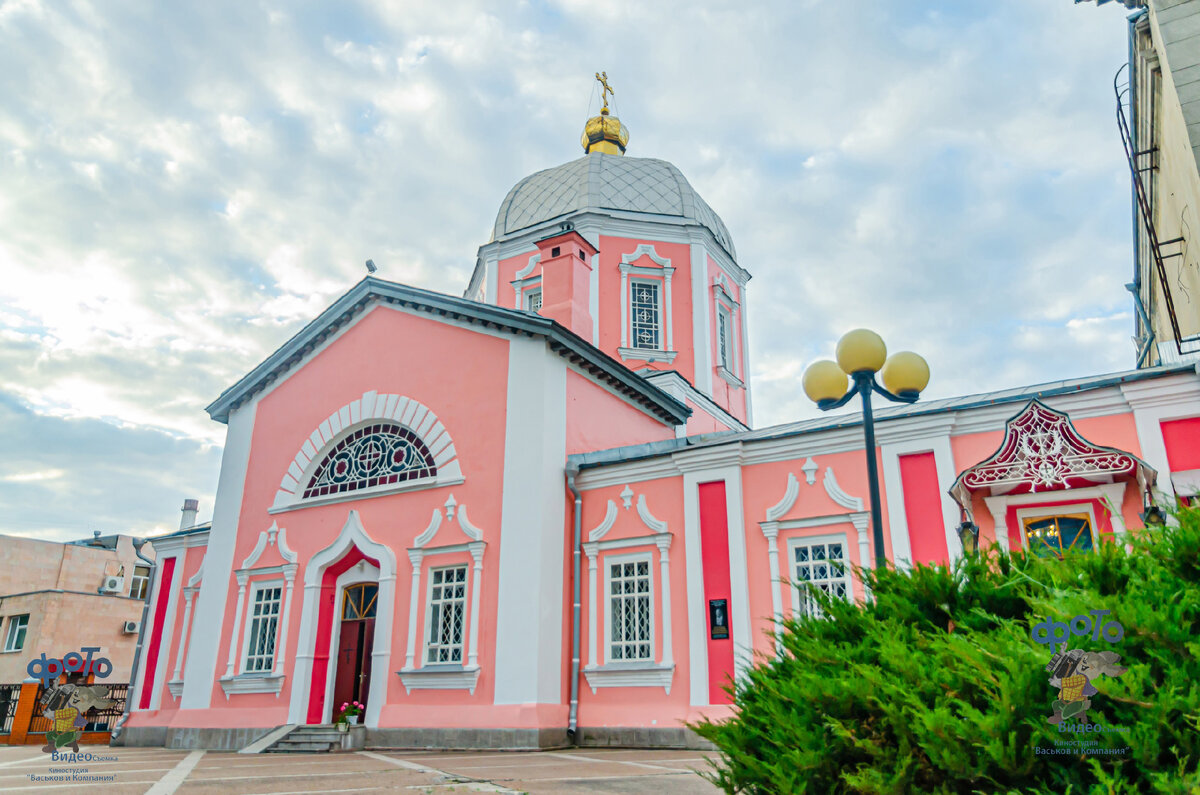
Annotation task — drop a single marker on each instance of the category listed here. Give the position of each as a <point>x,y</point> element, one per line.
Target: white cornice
<point>715,457</point>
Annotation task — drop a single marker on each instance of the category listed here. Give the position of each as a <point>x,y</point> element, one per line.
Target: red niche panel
<point>714,553</point>
<point>1182,440</point>
<point>923,508</point>
<point>160,616</point>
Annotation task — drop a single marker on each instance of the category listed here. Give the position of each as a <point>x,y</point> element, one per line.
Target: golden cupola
<point>604,133</point>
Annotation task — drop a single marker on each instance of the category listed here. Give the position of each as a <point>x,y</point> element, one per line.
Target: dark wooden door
<point>352,677</point>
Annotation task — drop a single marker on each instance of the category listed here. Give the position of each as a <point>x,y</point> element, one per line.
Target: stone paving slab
<point>164,771</point>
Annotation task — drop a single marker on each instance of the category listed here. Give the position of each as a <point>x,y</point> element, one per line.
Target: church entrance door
<point>352,678</point>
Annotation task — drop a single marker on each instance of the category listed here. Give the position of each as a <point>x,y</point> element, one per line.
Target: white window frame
<point>619,560</point>
<point>1049,511</point>
<point>725,343</point>
<point>725,311</point>
<point>256,588</point>
<point>657,285</point>
<point>536,292</point>
<point>808,541</point>
<point>136,578</point>
<point>658,274</point>
<point>427,645</point>
<point>13,629</point>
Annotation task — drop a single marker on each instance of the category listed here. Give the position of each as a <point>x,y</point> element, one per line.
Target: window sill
<point>630,675</point>
<point>440,677</point>
<point>647,354</point>
<point>11,651</point>
<point>729,377</point>
<point>250,683</point>
<point>176,688</point>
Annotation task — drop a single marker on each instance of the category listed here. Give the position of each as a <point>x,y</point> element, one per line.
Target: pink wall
<point>598,419</point>
<point>447,372</point>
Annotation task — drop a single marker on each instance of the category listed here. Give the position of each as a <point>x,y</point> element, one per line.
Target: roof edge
<point>562,341</point>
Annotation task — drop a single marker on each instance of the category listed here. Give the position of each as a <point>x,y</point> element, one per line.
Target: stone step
<point>297,746</point>
<point>316,737</point>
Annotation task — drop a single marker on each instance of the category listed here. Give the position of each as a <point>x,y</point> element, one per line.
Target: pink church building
<point>539,514</point>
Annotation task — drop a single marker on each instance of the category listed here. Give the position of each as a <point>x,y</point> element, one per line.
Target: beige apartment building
<point>57,598</point>
<point>1158,116</point>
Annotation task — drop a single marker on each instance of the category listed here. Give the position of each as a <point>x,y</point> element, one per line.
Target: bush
<point>936,685</point>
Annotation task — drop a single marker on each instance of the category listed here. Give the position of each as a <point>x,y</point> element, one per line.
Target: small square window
<point>140,582</point>
<point>533,300</point>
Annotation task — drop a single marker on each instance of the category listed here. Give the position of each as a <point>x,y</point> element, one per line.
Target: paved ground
<point>160,772</point>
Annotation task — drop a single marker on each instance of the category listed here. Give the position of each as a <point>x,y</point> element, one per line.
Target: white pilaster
<point>528,625</point>
<point>663,542</point>
<point>701,331</point>
<point>237,622</point>
<point>414,557</point>
<point>289,575</point>
<point>771,531</point>
<point>595,620</point>
<point>476,548</point>
<point>201,666</point>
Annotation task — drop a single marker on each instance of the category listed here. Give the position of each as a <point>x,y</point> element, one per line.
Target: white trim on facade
<point>933,438</point>
<point>528,626</point>
<point>1111,494</point>
<point>200,671</point>
<point>353,534</point>
<point>418,673</point>
<point>371,407</point>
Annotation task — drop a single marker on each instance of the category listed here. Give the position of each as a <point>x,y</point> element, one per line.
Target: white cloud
<point>186,186</point>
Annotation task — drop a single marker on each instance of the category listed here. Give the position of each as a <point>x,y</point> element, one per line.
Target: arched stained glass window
<point>374,455</point>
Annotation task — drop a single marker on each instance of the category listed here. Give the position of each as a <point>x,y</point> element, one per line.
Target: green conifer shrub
<point>935,685</point>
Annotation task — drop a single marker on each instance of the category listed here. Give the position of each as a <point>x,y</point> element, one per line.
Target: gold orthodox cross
<point>606,90</point>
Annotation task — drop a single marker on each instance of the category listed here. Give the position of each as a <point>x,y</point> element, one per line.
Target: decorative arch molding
<point>662,269</point>
<point>599,673</point>
<point>417,674</point>
<point>645,250</point>
<point>772,521</point>
<point>522,277</point>
<point>352,535</point>
<point>371,407</point>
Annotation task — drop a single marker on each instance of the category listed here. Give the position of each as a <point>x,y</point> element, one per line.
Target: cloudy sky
<point>183,185</point>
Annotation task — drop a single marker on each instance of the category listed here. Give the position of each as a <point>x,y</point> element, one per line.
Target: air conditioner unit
<point>113,585</point>
<point>130,628</point>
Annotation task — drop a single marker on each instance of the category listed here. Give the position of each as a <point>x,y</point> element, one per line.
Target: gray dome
<point>607,182</point>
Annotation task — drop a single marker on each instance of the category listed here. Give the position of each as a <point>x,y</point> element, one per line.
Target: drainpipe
<point>576,609</point>
<point>137,654</point>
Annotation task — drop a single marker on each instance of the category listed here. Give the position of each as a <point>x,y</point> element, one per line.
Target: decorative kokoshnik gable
<point>1043,452</point>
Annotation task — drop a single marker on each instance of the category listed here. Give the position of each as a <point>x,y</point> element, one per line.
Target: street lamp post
<point>860,355</point>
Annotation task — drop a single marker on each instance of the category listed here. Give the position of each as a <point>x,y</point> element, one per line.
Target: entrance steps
<point>317,739</point>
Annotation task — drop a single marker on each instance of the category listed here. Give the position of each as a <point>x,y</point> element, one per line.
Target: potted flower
<point>348,716</point>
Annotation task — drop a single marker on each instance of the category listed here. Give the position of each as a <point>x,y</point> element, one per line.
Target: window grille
<point>17,626</point>
<point>533,300</point>
<point>644,303</point>
<point>140,582</point>
<point>375,455</point>
<point>820,566</point>
<point>447,605</point>
<point>264,623</point>
<point>629,600</point>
